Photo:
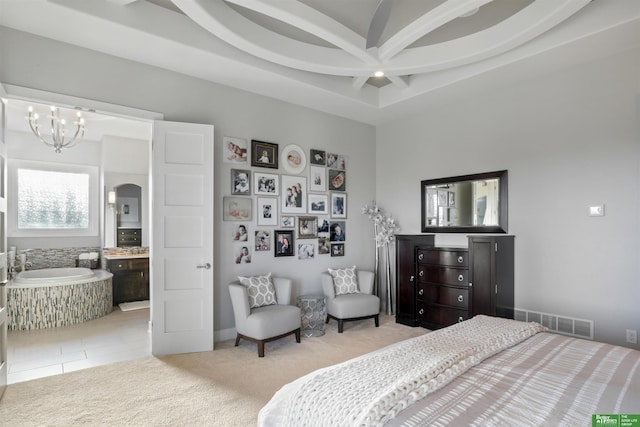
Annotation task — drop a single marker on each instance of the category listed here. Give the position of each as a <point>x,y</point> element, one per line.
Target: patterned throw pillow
<point>345,280</point>
<point>260,289</point>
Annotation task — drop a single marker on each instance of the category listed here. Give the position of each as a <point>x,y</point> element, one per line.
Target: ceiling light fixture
<point>58,129</point>
<point>379,73</point>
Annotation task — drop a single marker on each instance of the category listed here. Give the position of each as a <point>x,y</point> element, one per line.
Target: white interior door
<point>3,244</point>
<point>182,239</point>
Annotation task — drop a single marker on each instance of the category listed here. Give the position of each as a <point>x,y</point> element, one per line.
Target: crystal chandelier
<point>58,130</point>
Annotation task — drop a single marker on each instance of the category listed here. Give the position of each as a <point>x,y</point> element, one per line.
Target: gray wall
<point>46,65</point>
<point>569,140</point>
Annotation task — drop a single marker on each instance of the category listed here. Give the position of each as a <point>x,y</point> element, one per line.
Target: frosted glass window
<point>52,200</point>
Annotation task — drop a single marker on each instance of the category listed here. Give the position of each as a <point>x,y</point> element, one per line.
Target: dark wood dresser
<point>129,237</point>
<point>450,284</point>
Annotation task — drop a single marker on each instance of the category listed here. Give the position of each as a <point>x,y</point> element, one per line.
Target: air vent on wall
<point>564,325</point>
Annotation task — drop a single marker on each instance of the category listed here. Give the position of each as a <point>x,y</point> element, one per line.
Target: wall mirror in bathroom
<point>474,203</point>
<point>126,211</point>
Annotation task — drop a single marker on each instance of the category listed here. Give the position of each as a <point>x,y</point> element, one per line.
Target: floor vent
<point>564,325</point>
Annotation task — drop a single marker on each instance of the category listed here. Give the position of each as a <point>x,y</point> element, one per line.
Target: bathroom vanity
<point>130,277</point>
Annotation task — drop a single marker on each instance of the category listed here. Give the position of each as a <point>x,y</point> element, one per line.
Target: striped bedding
<point>544,380</point>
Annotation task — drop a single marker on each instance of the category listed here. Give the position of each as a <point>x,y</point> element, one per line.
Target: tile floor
<point>113,338</point>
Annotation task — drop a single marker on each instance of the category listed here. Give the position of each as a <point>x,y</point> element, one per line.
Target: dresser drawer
<point>434,317</point>
<point>454,258</point>
<point>128,264</point>
<point>444,295</point>
<point>443,275</point>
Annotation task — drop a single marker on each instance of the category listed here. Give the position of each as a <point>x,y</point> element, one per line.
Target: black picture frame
<point>264,154</point>
<point>279,236</point>
<point>337,249</point>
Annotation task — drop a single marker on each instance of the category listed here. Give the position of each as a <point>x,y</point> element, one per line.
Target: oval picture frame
<point>293,159</point>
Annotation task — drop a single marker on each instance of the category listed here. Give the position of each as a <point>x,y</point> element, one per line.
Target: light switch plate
<point>597,210</point>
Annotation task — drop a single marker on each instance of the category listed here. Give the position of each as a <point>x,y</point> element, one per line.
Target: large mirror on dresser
<point>474,203</point>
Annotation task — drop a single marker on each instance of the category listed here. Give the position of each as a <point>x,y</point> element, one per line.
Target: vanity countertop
<point>126,256</point>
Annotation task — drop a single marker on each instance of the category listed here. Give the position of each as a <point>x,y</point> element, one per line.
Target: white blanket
<point>370,390</point>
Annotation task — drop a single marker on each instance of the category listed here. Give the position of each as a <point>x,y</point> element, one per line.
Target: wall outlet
<point>632,336</point>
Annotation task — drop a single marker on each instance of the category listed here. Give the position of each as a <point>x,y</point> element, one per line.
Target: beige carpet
<point>226,387</point>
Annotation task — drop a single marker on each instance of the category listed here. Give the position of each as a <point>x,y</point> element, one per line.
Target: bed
<point>484,371</point>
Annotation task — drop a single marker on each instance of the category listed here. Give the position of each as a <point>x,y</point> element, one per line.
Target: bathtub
<point>54,275</point>
<point>54,297</point>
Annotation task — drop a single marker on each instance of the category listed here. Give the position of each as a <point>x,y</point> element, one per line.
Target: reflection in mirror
<point>468,204</point>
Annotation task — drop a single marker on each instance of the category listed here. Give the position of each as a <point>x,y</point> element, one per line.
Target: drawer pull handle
<point>421,291</point>
<point>460,259</point>
<point>119,265</point>
<point>460,278</point>
<point>420,257</point>
<point>412,278</point>
<point>421,273</point>
<point>421,311</point>
<point>460,319</point>
<point>460,298</point>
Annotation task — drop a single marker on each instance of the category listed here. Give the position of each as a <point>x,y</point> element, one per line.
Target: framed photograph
<point>337,249</point>
<point>236,208</point>
<point>242,254</point>
<point>264,154</point>
<point>336,161</point>
<point>240,233</point>
<point>267,211</point>
<point>265,184</point>
<point>240,182</point>
<point>338,205</point>
<point>283,242</point>
<point>235,150</point>
<point>294,194</point>
<point>288,221</point>
<point>317,178</point>
<point>337,180</point>
<point>293,159</point>
<point>323,224</point>
<point>323,246</point>
<point>452,199</point>
<point>337,232</point>
<point>317,157</point>
<point>432,203</point>
<point>262,240</point>
<point>307,227</point>
<point>318,204</point>
<point>307,249</point>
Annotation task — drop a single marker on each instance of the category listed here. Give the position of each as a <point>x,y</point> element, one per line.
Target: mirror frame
<point>502,204</point>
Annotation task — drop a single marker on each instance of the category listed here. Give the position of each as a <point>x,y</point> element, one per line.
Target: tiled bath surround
<point>56,258</point>
<point>50,306</point>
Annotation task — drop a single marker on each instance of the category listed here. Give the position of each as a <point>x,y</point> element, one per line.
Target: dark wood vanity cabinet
<point>455,284</point>
<point>130,279</point>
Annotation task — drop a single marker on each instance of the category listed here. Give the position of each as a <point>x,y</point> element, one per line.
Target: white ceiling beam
<point>435,18</point>
<point>359,81</point>
<point>401,82</point>
<point>309,20</point>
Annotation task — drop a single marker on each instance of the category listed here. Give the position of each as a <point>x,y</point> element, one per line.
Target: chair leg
<point>377,319</point>
<point>340,324</point>
<point>260,348</point>
<point>327,319</point>
<point>237,339</point>
<point>298,335</point>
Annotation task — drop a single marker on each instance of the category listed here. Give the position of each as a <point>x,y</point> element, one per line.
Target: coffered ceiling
<point>313,52</point>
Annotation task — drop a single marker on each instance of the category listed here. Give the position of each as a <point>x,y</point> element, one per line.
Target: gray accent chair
<point>347,307</point>
<point>267,323</point>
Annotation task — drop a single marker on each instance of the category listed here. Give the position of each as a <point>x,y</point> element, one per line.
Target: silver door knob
<point>206,266</point>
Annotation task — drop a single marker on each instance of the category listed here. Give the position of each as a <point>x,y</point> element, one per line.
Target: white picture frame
<point>318,204</point>
<point>267,211</point>
<point>293,159</point>
<point>265,184</point>
<point>317,178</point>
<point>338,205</point>
<point>293,194</point>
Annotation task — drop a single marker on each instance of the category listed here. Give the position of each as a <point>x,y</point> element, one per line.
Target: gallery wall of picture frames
<point>300,212</point>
